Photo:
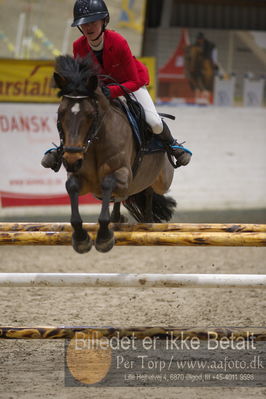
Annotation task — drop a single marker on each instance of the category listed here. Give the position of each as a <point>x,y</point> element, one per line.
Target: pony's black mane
<point>76,73</point>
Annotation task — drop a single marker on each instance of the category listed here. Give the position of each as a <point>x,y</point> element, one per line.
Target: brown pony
<point>98,153</point>
<point>199,69</point>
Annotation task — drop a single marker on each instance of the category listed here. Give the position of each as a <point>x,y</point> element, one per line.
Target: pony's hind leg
<point>148,210</point>
<point>81,241</point>
<point>116,216</point>
<point>140,205</point>
<point>105,237</point>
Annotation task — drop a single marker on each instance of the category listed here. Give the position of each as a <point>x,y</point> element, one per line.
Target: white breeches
<point>152,117</point>
<point>215,56</point>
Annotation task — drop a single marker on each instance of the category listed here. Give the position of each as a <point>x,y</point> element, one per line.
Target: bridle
<point>92,134</point>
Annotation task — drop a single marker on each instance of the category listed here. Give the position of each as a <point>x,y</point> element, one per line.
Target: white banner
<point>253,93</point>
<point>26,131</point>
<point>224,91</point>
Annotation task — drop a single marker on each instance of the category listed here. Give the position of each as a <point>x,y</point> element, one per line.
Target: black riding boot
<point>53,157</point>
<point>181,154</point>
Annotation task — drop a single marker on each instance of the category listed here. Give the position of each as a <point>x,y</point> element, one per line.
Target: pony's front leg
<point>81,241</point>
<point>105,237</point>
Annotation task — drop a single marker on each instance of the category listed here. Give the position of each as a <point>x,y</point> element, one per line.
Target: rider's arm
<point>120,64</point>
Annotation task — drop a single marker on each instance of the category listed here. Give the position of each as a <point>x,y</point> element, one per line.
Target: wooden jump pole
<point>68,332</point>
<point>139,227</point>
<point>141,238</point>
<point>123,280</point>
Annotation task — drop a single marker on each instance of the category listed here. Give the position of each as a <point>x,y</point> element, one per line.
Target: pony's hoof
<point>105,245</point>
<point>83,246</point>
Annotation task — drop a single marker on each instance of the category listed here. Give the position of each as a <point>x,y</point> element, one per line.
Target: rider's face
<point>92,30</point>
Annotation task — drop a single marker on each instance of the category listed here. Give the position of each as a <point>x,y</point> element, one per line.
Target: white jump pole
<point>66,37</point>
<point>133,280</point>
<point>19,37</point>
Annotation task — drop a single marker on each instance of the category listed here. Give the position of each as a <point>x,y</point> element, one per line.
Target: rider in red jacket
<point>117,62</point>
<point>111,52</point>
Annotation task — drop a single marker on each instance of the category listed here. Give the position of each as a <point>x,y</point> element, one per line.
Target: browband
<point>68,96</point>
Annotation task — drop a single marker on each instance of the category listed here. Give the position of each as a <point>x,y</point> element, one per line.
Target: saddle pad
<point>152,143</point>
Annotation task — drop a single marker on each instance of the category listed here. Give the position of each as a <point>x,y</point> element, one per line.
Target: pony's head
<point>79,111</point>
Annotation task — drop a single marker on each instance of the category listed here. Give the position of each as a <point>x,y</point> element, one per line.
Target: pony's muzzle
<point>72,162</point>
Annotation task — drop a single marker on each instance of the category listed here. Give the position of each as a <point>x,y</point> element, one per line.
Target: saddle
<point>146,142</point>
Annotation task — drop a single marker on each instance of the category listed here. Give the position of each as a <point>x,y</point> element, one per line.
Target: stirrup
<point>171,154</point>
<point>181,147</point>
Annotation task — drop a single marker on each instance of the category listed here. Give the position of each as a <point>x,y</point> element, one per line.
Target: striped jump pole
<point>69,332</point>
<point>168,234</point>
<point>139,227</point>
<point>123,238</point>
<point>118,280</point>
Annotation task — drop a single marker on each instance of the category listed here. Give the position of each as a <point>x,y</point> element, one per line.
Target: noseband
<point>92,133</point>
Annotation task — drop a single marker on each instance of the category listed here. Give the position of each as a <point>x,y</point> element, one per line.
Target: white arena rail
<point>133,280</point>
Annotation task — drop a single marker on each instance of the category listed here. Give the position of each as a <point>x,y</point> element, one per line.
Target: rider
<point>111,51</point>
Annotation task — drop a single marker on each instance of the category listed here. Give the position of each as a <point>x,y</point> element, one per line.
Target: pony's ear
<point>93,83</point>
<point>59,81</point>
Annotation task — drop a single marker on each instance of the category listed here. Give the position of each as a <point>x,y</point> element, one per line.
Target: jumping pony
<point>99,151</point>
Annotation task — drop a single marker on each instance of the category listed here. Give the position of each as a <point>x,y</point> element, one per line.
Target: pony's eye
<point>91,115</point>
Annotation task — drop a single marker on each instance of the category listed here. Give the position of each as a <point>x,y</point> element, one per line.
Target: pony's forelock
<point>76,72</point>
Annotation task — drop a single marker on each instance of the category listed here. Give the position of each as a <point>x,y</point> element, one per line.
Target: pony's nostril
<point>78,164</point>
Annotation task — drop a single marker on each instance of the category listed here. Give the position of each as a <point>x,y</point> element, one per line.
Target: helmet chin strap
<point>102,30</point>
<point>80,30</point>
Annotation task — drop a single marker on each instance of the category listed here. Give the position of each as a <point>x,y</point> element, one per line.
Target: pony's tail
<point>162,207</point>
